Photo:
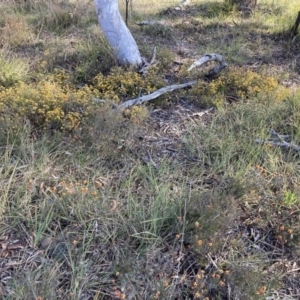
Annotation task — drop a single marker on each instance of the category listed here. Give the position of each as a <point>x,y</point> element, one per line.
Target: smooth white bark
<point>117,33</point>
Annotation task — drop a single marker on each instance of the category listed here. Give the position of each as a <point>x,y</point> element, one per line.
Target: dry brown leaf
<point>3,246</point>
<point>114,205</point>
<point>3,238</point>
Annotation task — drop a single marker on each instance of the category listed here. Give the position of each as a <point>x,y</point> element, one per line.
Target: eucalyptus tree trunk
<point>117,33</point>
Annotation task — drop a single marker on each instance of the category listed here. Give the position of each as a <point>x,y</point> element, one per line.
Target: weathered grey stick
<point>210,57</point>
<point>155,94</point>
<point>279,141</point>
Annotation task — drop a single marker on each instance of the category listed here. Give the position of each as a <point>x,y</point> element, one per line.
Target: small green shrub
<point>290,199</point>
<point>61,15</point>
<point>225,8</point>
<point>159,30</point>
<point>12,71</point>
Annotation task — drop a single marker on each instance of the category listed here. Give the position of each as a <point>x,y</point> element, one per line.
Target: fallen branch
<point>97,100</point>
<point>155,94</point>
<point>210,57</point>
<point>284,145</point>
<point>279,140</point>
<point>142,99</point>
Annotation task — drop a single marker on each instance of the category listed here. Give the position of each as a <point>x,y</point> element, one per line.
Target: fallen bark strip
<point>155,94</point>
<point>210,57</point>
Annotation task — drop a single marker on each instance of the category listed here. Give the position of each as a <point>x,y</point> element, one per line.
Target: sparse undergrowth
<point>160,202</point>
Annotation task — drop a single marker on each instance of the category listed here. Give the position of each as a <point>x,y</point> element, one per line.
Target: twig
<point>152,162</point>
<point>146,66</point>
<point>97,100</point>
<point>279,140</point>
<point>212,261</point>
<point>280,137</point>
<point>295,27</point>
<point>284,145</point>
<point>153,56</point>
<point>200,114</point>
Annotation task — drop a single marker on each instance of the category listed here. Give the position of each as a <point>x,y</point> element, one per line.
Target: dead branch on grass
<point>154,95</point>
<point>142,99</point>
<point>202,61</point>
<point>207,58</point>
<point>279,140</point>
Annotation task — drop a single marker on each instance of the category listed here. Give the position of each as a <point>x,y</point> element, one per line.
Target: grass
<point>168,201</point>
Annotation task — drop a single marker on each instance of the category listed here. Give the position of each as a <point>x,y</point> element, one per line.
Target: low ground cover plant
<point>166,201</point>
<point>239,84</point>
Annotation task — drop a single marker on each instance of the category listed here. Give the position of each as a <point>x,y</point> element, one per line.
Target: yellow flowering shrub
<point>54,103</point>
<point>238,84</point>
<point>122,85</point>
<point>49,104</point>
<point>137,114</point>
